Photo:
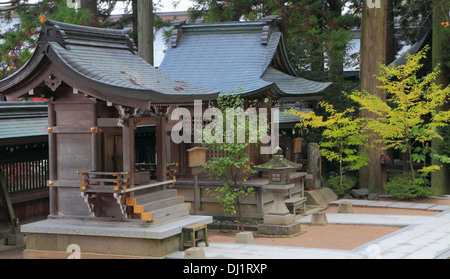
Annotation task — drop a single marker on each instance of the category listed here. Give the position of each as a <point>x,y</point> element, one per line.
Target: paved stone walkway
<point>423,237</point>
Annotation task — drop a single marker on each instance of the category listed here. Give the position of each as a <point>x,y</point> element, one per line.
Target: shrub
<point>348,182</point>
<point>402,187</point>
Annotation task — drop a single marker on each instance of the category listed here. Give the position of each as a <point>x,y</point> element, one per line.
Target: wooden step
<point>140,199</point>
<point>165,214</point>
<point>158,204</point>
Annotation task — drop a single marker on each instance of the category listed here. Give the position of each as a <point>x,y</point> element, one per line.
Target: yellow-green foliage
<point>410,116</point>
<point>341,136</point>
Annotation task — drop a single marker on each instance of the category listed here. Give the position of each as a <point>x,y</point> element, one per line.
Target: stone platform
<point>62,238</point>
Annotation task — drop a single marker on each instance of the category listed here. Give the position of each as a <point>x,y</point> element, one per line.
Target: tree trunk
<point>145,29</point>
<point>376,35</point>
<point>440,180</point>
<point>90,5</point>
<point>336,54</point>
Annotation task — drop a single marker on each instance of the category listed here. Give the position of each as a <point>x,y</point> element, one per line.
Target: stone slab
<point>421,206</point>
<point>278,229</point>
<point>401,205</point>
<point>377,219</point>
<point>279,219</point>
<point>439,207</point>
<point>218,250</point>
<point>114,229</point>
<point>404,205</point>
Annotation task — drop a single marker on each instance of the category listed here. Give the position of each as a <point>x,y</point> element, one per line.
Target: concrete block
<point>195,253</point>
<point>279,219</point>
<point>345,207</point>
<point>15,240</point>
<point>319,219</point>
<point>245,237</point>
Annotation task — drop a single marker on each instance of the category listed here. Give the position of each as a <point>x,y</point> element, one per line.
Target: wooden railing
<point>103,182</point>
<point>172,169</point>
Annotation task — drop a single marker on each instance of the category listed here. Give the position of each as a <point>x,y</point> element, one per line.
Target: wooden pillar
<point>196,195</point>
<point>128,149</point>
<point>95,140</point>
<point>52,169</point>
<point>161,162</point>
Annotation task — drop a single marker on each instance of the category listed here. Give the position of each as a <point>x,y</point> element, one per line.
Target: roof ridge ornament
<point>176,32</point>
<point>53,33</point>
<point>271,21</point>
<point>265,35</point>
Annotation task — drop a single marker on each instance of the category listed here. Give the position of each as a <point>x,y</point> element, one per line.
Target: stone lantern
<point>279,221</point>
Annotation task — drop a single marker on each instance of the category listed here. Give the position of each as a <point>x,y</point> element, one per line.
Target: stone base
<point>273,219</point>
<point>61,239</point>
<point>245,238</point>
<point>319,219</point>
<point>195,253</point>
<point>15,240</point>
<point>278,229</point>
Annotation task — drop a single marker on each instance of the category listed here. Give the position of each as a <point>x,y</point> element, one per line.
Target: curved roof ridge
<point>115,73</point>
<point>230,55</point>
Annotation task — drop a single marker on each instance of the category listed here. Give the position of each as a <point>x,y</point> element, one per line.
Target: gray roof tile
<point>104,58</point>
<point>230,57</point>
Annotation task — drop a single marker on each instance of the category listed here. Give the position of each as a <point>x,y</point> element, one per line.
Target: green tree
<point>410,117</point>
<point>234,168</point>
<point>341,137</point>
<point>20,41</point>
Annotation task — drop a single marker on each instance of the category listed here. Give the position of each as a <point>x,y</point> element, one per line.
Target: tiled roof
<point>23,119</point>
<point>107,60</point>
<point>234,57</point>
<point>419,45</point>
<point>293,85</point>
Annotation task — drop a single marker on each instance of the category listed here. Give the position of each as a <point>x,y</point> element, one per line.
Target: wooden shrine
<point>100,91</point>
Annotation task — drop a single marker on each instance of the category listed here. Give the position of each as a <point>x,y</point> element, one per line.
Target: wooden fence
<point>25,175</point>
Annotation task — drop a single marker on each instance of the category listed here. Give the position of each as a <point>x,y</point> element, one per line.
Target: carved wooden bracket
<point>53,82</point>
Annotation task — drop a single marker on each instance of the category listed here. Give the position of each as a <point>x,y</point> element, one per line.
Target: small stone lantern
<point>279,221</point>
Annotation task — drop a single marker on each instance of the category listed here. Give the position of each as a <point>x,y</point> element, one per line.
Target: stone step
<point>168,213</point>
<point>158,204</point>
<point>140,199</point>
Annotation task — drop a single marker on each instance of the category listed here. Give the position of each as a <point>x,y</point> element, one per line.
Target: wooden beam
<point>52,163</point>
<point>128,149</point>
<point>161,149</point>
<point>95,140</point>
<point>113,122</point>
